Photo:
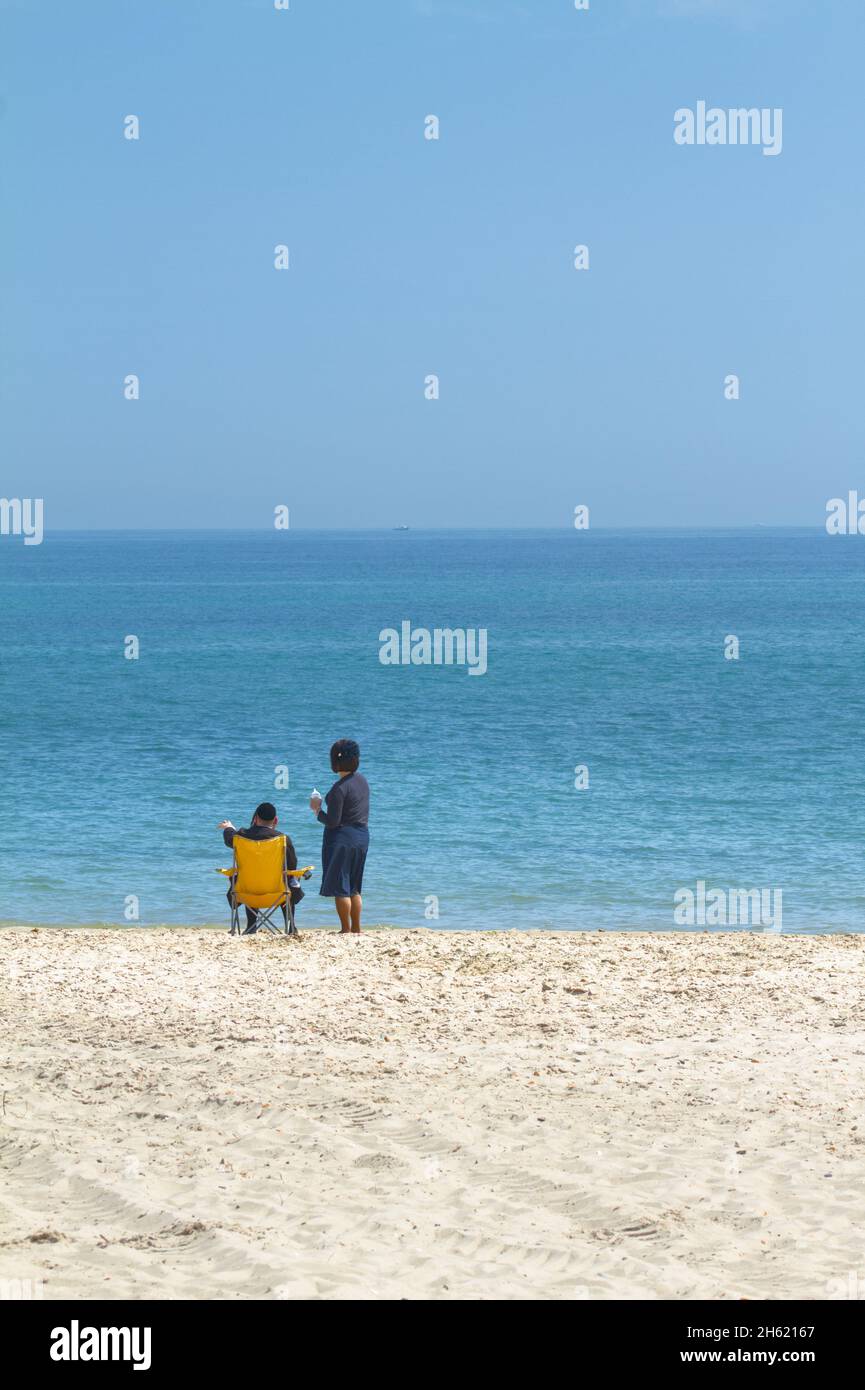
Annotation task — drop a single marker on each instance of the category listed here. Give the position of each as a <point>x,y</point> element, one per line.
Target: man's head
<point>265,814</point>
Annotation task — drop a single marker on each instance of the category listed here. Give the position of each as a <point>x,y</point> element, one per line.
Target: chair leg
<point>264,919</point>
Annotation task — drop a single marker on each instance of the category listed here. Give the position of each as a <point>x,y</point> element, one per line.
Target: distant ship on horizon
<point>402,528</point>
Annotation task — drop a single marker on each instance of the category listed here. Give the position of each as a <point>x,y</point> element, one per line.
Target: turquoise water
<point>605,649</point>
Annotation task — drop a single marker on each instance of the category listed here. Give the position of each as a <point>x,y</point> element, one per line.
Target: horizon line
<point>267,530</point>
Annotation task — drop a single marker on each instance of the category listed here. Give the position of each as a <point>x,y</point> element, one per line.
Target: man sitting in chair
<point>263,827</point>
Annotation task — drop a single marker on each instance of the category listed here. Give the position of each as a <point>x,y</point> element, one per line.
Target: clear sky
<point>411,256</point>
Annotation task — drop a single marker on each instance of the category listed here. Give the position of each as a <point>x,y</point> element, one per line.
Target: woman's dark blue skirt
<point>343,855</point>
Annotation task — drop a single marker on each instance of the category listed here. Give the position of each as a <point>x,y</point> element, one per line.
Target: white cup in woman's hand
<point>315,801</point>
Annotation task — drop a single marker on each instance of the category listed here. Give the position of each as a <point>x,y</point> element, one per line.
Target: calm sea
<point>605,651</point>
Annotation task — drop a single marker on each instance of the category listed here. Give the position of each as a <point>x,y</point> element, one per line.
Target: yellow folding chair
<point>261,881</point>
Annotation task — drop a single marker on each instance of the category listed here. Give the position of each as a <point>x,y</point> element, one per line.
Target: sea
<point>660,710</point>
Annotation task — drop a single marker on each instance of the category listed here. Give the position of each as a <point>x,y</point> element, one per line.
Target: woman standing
<point>345,818</point>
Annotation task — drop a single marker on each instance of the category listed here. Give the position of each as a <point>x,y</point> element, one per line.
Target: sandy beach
<point>432,1115</point>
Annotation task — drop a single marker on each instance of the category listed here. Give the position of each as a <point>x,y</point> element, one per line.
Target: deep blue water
<point>605,649</point>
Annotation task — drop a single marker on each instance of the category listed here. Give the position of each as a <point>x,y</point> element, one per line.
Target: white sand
<point>432,1115</point>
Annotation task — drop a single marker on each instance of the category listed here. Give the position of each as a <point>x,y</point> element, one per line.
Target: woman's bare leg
<point>356,905</point>
<point>343,908</point>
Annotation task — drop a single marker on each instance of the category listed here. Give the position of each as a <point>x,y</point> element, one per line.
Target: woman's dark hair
<point>345,755</point>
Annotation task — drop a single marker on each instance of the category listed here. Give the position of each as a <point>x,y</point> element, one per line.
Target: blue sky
<point>411,257</point>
